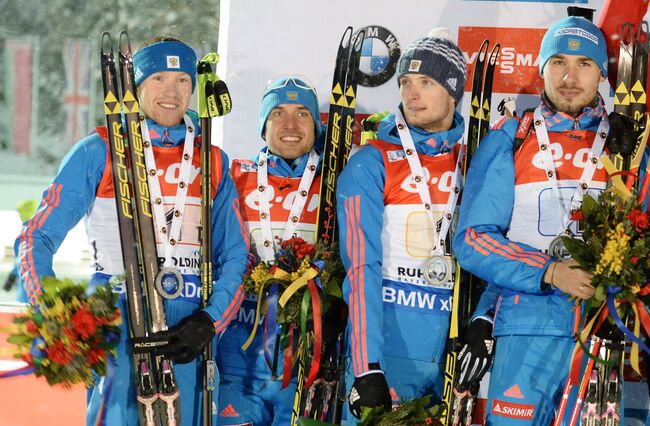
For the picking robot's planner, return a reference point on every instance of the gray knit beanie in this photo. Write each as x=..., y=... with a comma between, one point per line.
x=439, y=58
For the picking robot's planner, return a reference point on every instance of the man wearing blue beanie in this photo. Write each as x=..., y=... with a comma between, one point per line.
x=526, y=180
x=395, y=200
x=164, y=71
x=278, y=189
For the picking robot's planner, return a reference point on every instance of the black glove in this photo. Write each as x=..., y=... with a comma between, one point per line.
x=476, y=354
x=370, y=390
x=623, y=133
x=187, y=339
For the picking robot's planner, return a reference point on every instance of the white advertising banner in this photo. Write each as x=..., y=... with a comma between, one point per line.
x=259, y=40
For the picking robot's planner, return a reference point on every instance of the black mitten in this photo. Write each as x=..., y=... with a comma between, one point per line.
x=476, y=354
x=623, y=133
x=187, y=339
x=369, y=390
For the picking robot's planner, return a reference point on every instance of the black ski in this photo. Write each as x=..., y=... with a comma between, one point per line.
x=323, y=396
x=623, y=84
x=486, y=96
x=459, y=403
x=156, y=390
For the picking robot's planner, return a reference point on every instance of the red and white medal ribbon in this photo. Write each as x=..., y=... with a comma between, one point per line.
x=420, y=179
x=266, y=251
x=168, y=237
x=551, y=173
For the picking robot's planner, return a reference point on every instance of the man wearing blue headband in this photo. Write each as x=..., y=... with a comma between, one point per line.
x=165, y=76
x=278, y=189
x=527, y=178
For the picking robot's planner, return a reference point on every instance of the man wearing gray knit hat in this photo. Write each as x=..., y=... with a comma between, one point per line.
x=400, y=277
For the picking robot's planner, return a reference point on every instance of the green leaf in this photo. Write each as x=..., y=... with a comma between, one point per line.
x=579, y=251
x=19, y=339
x=600, y=293
x=589, y=206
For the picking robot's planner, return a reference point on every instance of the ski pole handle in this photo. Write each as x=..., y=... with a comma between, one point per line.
x=214, y=96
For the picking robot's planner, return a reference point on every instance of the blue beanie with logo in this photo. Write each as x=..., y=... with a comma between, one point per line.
x=289, y=90
x=164, y=56
x=574, y=35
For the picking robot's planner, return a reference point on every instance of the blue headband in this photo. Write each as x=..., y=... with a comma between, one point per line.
x=164, y=56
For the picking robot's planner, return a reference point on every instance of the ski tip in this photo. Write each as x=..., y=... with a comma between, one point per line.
x=124, y=43
x=346, y=39
x=359, y=36
x=106, y=45
x=494, y=54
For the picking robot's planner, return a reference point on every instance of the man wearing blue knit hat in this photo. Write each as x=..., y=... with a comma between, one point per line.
x=165, y=76
x=520, y=194
x=395, y=199
x=279, y=198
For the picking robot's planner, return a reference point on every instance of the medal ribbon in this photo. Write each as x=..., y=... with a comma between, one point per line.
x=267, y=252
x=418, y=176
x=551, y=173
x=168, y=237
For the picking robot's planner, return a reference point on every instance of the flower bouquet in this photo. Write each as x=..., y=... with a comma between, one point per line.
x=409, y=413
x=295, y=291
x=70, y=334
x=616, y=249
x=298, y=258
x=615, y=246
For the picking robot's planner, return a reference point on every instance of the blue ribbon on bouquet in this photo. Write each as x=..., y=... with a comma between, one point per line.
x=611, y=292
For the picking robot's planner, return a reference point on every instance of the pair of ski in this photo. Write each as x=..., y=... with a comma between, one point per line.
x=323, y=400
x=157, y=393
x=602, y=397
x=459, y=402
x=156, y=389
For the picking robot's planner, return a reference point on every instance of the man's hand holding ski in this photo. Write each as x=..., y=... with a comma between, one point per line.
x=369, y=390
x=188, y=339
x=475, y=356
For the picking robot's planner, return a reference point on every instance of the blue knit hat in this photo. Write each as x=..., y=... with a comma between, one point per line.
x=289, y=90
x=164, y=56
x=574, y=35
x=438, y=57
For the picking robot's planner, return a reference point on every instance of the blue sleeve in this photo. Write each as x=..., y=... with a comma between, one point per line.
x=230, y=250
x=480, y=244
x=360, y=210
x=67, y=199
x=487, y=303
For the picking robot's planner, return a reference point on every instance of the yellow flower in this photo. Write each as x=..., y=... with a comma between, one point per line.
x=260, y=275
x=614, y=252
x=56, y=311
x=49, y=338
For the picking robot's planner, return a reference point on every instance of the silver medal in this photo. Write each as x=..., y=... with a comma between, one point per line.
x=558, y=250
x=437, y=271
x=169, y=283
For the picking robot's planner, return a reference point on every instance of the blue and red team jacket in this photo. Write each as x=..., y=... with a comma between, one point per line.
x=509, y=216
x=283, y=181
x=83, y=188
x=385, y=240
